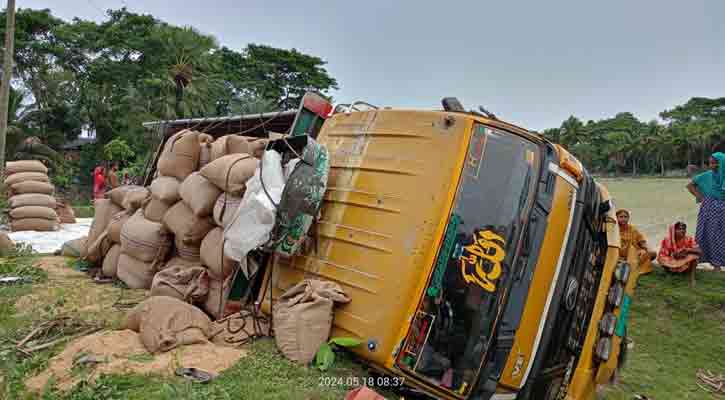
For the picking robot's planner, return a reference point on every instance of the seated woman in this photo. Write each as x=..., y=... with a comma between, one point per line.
x=679, y=252
x=631, y=237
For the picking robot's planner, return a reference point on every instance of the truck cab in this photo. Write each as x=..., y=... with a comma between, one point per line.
x=481, y=259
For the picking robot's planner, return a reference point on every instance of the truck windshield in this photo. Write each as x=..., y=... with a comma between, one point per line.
x=451, y=331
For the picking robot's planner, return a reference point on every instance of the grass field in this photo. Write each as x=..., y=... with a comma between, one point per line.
x=676, y=330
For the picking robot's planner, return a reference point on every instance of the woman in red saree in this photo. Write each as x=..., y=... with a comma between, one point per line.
x=99, y=183
x=679, y=252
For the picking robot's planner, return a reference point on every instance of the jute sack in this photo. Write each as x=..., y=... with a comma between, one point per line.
x=32, y=187
x=65, y=213
x=204, y=154
x=110, y=262
x=118, y=195
x=216, y=300
x=73, y=248
x=180, y=156
x=104, y=211
x=178, y=261
x=7, y=246
x=116, y=225
x=302, y=318
x=230, y=173
x=155, y=209
x=256, y=146
x=33, y=224
x=229, y=144
x=34, y=212
x=147, y=241
x=165, y=323
x=187, y=227
x=205, y=138
x=31, y=199
x=166, y=189
x=212, y=255
x=190, y=285
x=136, y=274
x=191, y=252
x=14, y=167
x=225, y=207
x=96, y=250
x=199, y=194
x=26, y=176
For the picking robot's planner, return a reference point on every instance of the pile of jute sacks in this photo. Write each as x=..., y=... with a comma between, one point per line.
x=31, y=202
x=169, y=237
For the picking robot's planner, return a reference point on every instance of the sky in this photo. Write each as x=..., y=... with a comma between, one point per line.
x=532, y=63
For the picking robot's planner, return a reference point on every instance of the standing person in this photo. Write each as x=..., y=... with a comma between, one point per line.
x=709, y=191
x=631, y=237
x=99, y=183
x=126, y=178
x=113, y=176
x=679, y=252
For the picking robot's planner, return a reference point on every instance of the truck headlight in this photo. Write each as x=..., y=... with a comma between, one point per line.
x=608, y=324
x=616, y=293
x=621, y=273
x=604, y=348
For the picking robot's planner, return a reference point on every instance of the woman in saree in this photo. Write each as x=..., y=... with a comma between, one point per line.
x=709, y=190
x=679, y=252
x=99, y=183
x=631, y=237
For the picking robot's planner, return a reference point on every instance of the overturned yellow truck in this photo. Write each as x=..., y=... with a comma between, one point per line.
x=481, y=259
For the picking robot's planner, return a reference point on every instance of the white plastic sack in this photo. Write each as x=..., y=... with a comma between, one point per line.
x=254, y=219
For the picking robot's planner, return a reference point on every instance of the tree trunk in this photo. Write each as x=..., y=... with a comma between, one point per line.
x=8, y=58
x=689, y=154
x=179, y=99
x=662, y=165
x=702, y=154
x=634, y=167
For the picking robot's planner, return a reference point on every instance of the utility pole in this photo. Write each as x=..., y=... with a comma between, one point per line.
x=8, y=59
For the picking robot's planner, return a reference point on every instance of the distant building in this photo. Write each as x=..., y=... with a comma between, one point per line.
x=72, y=150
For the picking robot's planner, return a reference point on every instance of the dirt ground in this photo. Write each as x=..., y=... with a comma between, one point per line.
x=122, y=352
x=68, y=292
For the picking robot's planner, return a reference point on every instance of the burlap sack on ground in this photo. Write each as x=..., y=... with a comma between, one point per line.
x=302, y=318
x=180, y=156
x=217, y=298
x=231, y=173
x=199, y=194
x=96, y=250
x=187, y=227
x=155, y=210
x=177, y=260
x=34, y=212
x=191, y=252
x=145, y=240
x=188, y=284
x=105, y=209
x=32, y=199
x=116, y=225
x=110, y=262
x=229, y=144
x=165, y=323
x=225, y=207
x=73, y=248
x=7, y=246
x=212, y=256
x=26, y=176
x=166, y=189
x=33, y=224
x=65, y=213
x=15, y=167
x=134, y=273
x=32, y=187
